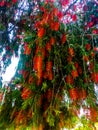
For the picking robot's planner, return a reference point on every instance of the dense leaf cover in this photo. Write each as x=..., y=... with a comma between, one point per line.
x=58, y=65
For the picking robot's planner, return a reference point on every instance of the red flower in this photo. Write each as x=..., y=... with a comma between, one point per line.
x=14, y=1
x=26, y=92
x=88, y=46
x=60, y=15
x=74, y=73
x=95, y=31
x=74, y=17
x=48, y=46
x=38, y=62
x=94, y=77
x=64, y=2
x=41, y=32
x=71, y=51
x=52, y=41
x=2, y=3
x=69, y=79
x=95, y=48
x=63, y=38
x=56, y=26
x=73, y=92
x=27, y=49
x=76, y=65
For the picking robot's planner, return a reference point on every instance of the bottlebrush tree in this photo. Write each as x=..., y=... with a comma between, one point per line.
x=57, y=69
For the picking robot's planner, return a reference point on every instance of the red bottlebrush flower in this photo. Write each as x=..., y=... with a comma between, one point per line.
x=73, y=92
x=94, y=77
x=26, y=92
x=91, y=114
x=1, y=96
x=40, y=51
x=56, y=26
x=63, y=38
x=95, y=31
x=88, y=46
x=39, y=74
x=82, y=93
x=74, y=17
x=74, y=73
x=69, y=79
x=71, y=51
x=2, y=3
x=41, y=32
x=48, y=46
x=64, y=2
x=14, y=1
x=45, y=75
x=92, y=54
x=69, y=59
x=60, y=15
x=55, y=11
x=48, y=65
x=85, y=58
x=76, y=65
x=31, y=79
x=50, y=75
x=38, y=81
x=38, y=62
x=52, y=41
x=27, y=49
x=90, y=24
x=96, y=49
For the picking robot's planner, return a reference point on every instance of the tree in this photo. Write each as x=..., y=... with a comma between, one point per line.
x=58, y=66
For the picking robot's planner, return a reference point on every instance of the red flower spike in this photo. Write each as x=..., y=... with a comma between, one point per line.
x=63, y=38
x=38, y=63
x=2, y=3
x=41, y=32
x=48, y=66
x=48, y=46
x=69, y=79
x=14, y=1
x=74, y=17
x=71, y=51
x=52, y=41
x=26, y=92
x=56, y=26
x=27, y=50
x=73, y=92
x=88, y=47
x=50, y=75
x=60, y=15
x=96, y=49
x=76, y=65
x=74, y=73
x=94, y=77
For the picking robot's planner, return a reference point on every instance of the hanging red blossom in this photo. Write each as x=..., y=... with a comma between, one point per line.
x=74, y=17
x=41, y=32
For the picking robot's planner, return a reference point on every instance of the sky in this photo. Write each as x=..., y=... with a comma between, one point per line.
x=10, y=71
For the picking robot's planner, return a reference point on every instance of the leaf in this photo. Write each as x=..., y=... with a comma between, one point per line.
x=50, y=119
x=44, y=86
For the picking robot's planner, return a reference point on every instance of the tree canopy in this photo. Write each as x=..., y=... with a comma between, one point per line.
x=58, y=66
